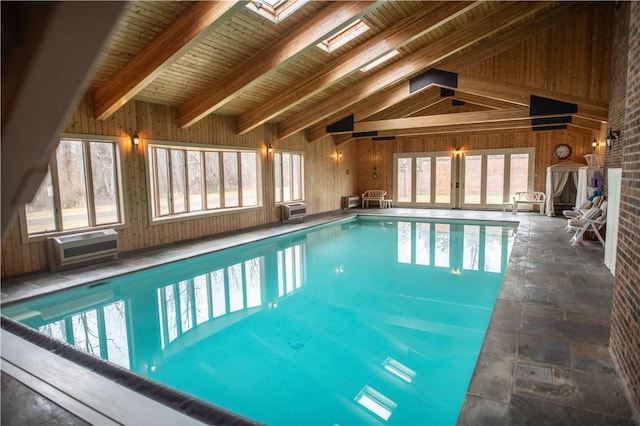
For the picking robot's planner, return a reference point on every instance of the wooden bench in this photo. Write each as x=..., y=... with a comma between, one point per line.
x=530, y=197
x=374, y=195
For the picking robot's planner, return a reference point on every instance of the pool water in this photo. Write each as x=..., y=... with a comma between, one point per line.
x=364, y=321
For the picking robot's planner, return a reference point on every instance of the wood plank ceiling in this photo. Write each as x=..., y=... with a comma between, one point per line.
x=224, y=58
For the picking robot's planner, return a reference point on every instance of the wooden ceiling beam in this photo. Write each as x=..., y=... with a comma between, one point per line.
x=521, y=95
x=463, y=118
x=504, y=15
x=424, y=99
x=180, y=36
x=485, y=48
x=516, y=124
x=305, y=36
x=483, y=101
x=429, y=18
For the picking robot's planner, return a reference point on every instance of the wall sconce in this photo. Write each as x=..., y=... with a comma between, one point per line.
x=135, y=139
x=269, y=150
x=338, y=155
x=611, y=137
x=375, y=172
x=457, y=152
x=595, y=144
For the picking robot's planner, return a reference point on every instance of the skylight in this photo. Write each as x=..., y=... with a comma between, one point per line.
x=343, y=37
x=376, y=402
x=275, y=10
x=380, y=60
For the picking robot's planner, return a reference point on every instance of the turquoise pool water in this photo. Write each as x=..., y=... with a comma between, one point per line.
x=365, y=321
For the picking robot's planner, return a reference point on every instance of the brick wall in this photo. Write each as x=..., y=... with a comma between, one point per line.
x=625, y=320
x=618, y=88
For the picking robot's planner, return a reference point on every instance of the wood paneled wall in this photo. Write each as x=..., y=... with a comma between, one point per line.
x=326, y=178
x=572, y=57
x=379, y=154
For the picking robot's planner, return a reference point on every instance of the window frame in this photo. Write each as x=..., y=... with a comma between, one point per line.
x=52, y=170
x=291, y=169
x=152, y=180
x=278, y=12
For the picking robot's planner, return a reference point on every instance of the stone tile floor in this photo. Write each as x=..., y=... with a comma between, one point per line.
x=545, y=358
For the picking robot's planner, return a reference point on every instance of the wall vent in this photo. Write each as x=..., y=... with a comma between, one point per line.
x=350, y=201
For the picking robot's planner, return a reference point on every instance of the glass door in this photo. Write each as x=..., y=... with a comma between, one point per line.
x=424, y=179
x=489, y=178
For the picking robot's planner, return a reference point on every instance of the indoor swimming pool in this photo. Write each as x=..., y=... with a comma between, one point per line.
x=368, y=320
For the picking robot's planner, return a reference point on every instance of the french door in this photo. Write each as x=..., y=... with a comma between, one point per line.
x=424, y=179
x=479, y=179
x=488, y=178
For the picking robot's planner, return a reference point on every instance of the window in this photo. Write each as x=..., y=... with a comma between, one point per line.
x=275, y=10
x=351, y=32
x=82, y=189
x=289, y=177
x=198, y=180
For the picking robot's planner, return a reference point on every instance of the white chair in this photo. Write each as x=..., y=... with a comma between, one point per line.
x=594, y=219
x=376, y=195
x=528, y=197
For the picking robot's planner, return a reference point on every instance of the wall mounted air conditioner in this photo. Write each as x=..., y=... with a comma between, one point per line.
x=350, y=201
x=79, y=249
x=293, y=211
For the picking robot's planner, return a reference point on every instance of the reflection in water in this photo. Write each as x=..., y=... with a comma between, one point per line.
x=355, y=322
x=456, y=246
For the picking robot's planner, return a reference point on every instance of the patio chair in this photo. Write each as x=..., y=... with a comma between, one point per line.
x=374, y=195
x=594, y=219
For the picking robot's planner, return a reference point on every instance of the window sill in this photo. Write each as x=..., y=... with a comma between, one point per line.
x=43, y=237
x=201, y=214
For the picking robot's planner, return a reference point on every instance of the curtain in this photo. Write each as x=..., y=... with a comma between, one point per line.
x=555, y=185
x=581, y=194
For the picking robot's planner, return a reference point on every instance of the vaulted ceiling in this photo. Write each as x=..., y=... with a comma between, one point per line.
x=224, y=58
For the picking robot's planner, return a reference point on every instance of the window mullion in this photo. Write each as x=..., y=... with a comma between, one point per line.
x=156, y=189
x=55, y=185
x=88, y=177
x=239, y=173
x=172, y=209
x=506, y=190
x=203, y=182
x=185, y=176
x=291, y=177
x=221, y=179
x=483, y=179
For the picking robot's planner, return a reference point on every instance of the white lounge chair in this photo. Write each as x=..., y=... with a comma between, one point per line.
x=594, y=219
x=583, y=208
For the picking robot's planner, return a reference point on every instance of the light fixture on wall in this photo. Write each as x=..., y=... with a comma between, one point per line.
x=595, y=143
x=338, y=155
x=611, y=137
x=135, y=139
x=269, y=150
x=375, y=172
